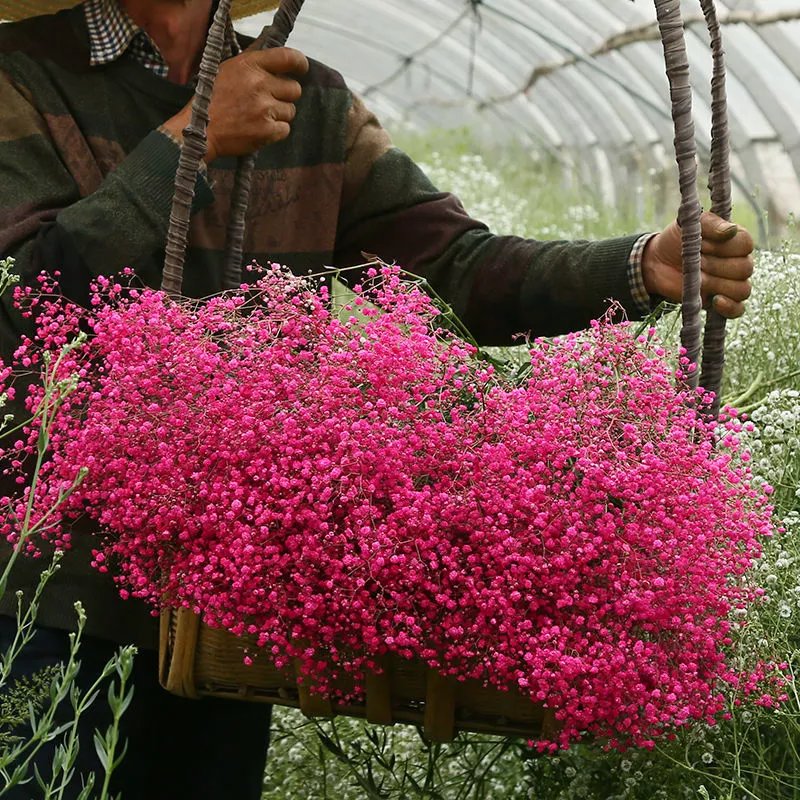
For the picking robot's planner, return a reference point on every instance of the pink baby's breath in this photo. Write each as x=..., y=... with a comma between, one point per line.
x=347, y=486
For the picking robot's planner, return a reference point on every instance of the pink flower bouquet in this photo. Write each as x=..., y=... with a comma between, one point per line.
x=347, y=484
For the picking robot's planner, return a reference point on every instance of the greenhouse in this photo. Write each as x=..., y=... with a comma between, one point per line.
x=401, y=400
x=580, y=80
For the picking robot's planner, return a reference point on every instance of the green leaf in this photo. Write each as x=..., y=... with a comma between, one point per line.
x=85, y=793
x=329, y=744
x=417, y=788
x=101, y=747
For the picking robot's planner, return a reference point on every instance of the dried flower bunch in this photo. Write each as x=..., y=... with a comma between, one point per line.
x=346, y=484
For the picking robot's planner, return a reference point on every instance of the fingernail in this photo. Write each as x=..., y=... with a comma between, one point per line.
x=727, y=228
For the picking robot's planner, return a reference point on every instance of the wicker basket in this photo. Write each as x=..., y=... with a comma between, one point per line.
x=198, y=661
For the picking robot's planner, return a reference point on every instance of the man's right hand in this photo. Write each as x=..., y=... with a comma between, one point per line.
x=252, y=104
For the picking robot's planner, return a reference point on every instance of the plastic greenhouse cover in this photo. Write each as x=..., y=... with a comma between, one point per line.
x=450, y=63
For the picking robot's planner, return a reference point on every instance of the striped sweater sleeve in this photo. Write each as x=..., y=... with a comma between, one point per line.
x=58, y=212
x=499, y=286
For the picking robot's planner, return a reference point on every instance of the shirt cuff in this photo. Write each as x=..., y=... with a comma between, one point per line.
x=635, y=278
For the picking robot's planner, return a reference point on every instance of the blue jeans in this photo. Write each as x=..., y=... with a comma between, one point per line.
x=177, y=749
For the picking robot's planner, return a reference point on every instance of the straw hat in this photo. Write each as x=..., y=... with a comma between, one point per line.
x=21, y=9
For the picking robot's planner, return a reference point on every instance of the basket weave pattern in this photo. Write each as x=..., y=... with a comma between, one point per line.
x=199, y=661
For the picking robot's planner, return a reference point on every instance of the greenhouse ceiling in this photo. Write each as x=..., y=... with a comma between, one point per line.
x=582, y=80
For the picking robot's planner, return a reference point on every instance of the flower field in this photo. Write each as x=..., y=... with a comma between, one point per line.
x=755, y=754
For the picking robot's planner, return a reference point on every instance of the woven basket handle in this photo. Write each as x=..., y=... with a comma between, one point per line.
x=670, y=21
x=195, y=145
x=192, y=151
x=274, y=35
x=719, y=183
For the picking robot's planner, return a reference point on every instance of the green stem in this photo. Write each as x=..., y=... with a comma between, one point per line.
x=748, y=393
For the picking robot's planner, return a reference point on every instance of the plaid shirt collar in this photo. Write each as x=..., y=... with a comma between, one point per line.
x=112, y=33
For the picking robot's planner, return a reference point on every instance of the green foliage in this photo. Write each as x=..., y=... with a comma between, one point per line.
x=40, y=726
x=345, y=759
x=22, y=694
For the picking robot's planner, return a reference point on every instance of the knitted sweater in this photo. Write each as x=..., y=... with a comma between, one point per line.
x=86, y=189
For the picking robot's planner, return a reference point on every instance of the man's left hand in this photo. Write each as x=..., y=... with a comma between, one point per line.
x=727, y=265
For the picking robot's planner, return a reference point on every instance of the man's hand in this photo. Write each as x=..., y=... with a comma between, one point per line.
x=252, y=104
x=727, y=264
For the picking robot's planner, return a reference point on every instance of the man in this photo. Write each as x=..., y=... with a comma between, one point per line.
x=93, y=102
